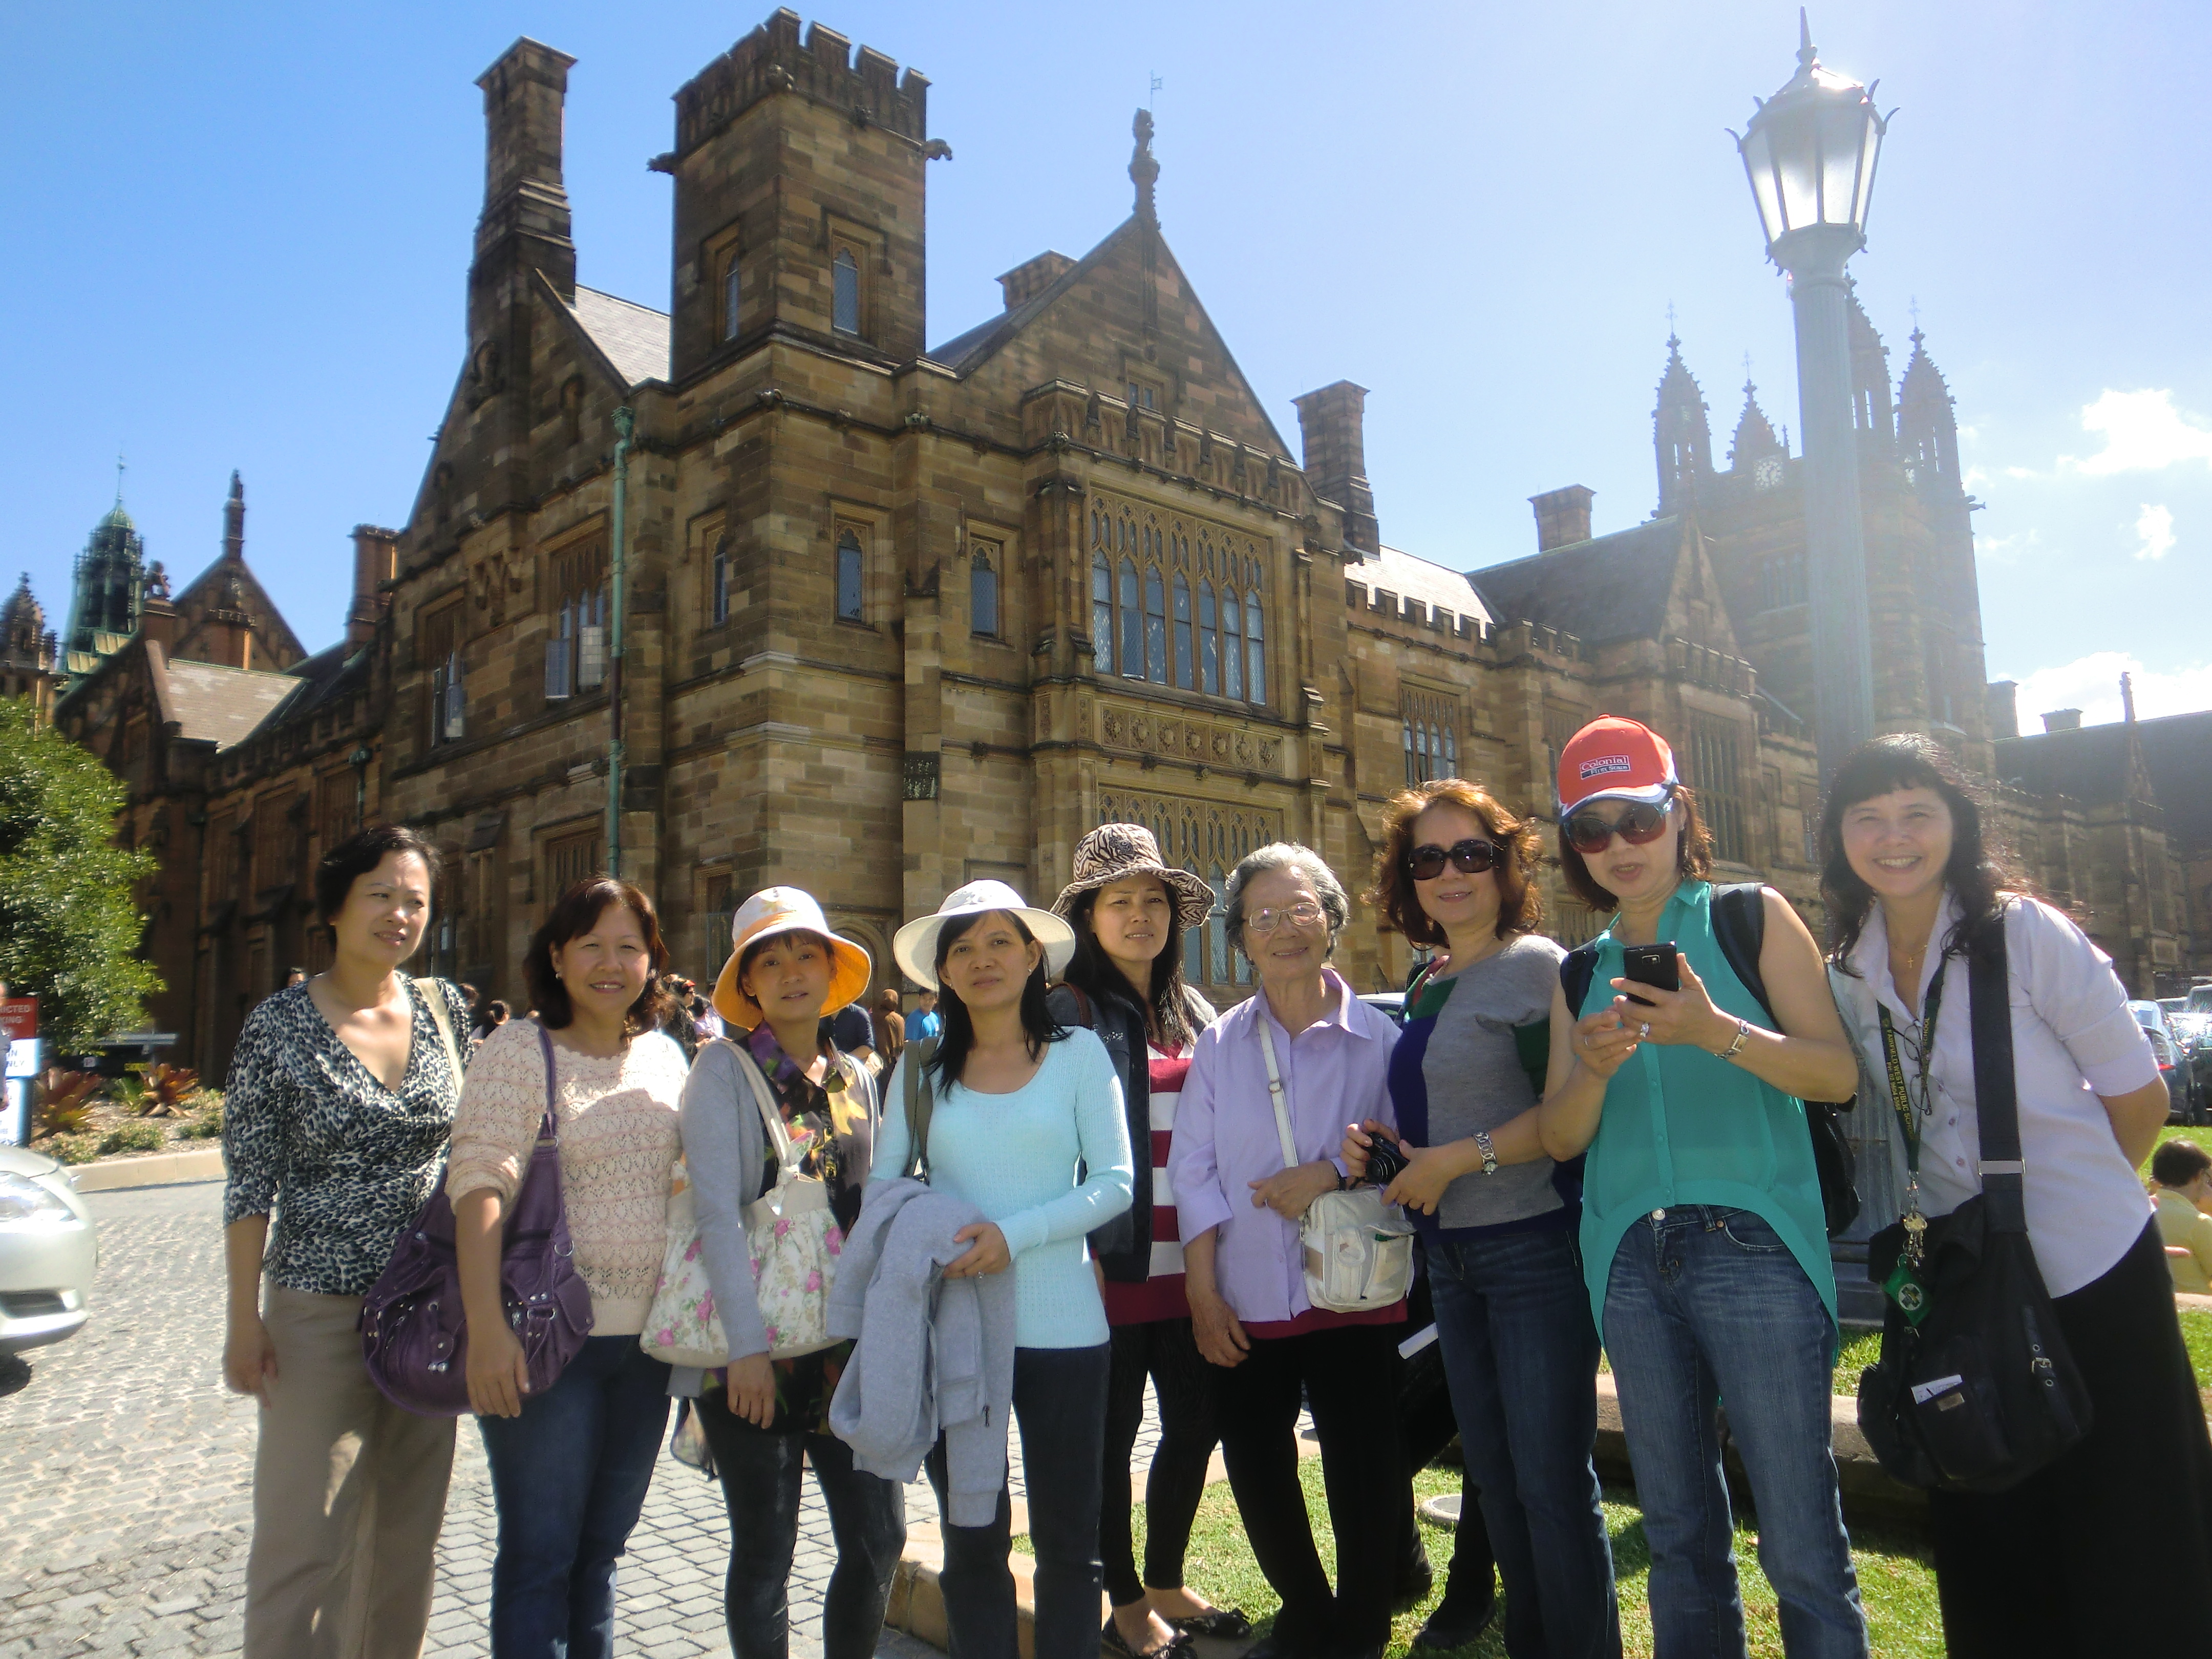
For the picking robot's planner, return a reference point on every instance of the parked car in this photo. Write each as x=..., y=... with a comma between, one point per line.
x=48, y=1252
x=1392, y=1003
x=2175, y=1064
x=2195, y=1033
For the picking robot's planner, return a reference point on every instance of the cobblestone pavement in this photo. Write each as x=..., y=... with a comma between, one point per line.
x=125, y=1473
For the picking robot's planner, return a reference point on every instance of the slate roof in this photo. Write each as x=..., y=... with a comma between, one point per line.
x=2091, y=765
x=224, y=706
x=1610, y=587
x=1396, y=571
x=635, y=337
x=962, y=353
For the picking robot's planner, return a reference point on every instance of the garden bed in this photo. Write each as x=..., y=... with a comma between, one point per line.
x=79, y=1119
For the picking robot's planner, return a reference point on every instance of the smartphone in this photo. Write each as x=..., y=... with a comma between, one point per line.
x=1384, y=1161
x=1657, y=965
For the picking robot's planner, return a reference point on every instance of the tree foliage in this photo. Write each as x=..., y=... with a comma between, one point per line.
x=69, y=927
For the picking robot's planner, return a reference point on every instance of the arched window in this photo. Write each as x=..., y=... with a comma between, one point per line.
x=982, y=594
x=1209, y=643
x=1101, y=611
x=732, y=287
x=1255, y=650
x=1217, y=937
x=1182, y=631
x=851, y=598
x=1155, y=625
x=720, y=596
x=1232, y=660
x=845, y=293
x=1133, y=623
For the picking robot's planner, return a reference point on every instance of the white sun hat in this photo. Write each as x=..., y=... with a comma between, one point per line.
x=914, y=945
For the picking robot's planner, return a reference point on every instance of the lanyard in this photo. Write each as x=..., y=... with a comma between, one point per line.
x=1901, y=1100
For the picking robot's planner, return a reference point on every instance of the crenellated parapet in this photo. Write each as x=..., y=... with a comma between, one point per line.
x=1409, y=617
x=823, y=68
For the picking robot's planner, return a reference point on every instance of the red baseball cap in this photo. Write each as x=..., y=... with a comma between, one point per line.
x=1615, y=758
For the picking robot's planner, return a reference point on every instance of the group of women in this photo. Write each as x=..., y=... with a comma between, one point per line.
x=1630, y=1171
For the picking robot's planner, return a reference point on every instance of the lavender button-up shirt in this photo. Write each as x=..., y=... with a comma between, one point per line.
x=1335, y=1072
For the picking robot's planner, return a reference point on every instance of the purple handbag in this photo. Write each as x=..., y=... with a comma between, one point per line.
x=413, y=1338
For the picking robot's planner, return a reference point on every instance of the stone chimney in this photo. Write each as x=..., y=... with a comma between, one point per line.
x=1026, y=281
x=375, y=561
x=1563, y=516
x=1332, y=424
x=2063, y=719
x=157, y=622
x=2004, y=708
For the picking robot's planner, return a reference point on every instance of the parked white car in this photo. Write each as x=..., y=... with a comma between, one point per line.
x=48, y=1252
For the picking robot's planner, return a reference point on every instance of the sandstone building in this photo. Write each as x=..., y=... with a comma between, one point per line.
x=897, y=616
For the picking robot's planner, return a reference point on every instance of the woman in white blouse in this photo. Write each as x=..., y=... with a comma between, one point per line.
x=2082, y=1556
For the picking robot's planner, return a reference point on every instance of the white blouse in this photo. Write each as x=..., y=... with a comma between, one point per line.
x=2073, y=1040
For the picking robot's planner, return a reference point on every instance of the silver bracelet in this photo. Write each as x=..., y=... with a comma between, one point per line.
x=1742, y=1036
x=1489, y=1152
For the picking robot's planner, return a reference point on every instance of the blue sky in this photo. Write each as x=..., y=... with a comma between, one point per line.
x=238, y=237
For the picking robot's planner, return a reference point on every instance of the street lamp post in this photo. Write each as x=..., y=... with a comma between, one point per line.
x=1809, y=153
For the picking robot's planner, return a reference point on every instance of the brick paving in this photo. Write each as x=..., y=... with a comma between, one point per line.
x=125, y=1478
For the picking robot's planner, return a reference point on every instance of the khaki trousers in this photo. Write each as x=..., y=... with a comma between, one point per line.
x=348, y=1494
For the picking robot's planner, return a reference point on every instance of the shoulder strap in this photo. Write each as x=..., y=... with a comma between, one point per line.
x=1275, y=1093
x=920, y=1106
x=434, y=999
x=1740, y=929
x=549, y=1128
x=1082, y=1006
x=1996, y=1106
x=1575, y=969
x=779, y=1138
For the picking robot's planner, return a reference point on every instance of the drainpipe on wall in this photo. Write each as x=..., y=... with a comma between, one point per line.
x=624, y=418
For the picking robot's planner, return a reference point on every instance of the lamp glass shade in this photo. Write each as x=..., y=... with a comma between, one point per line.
x=1809, y=153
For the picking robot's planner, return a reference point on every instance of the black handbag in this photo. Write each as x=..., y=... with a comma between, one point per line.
x=1976, y=1390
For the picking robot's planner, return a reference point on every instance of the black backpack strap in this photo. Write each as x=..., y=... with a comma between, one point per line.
x=1740, y=929
x=1996, y=1105
x=1575, y=970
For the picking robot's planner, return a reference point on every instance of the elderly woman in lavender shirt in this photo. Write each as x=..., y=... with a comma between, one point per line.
x=1238, y=1209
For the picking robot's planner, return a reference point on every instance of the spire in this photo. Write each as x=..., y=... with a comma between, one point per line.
x=108, y=585
x=1681, y=433
x=233, y=521
x=1871, y=409
x=1755, y=433
x=1927, y=430
x=1145, y=167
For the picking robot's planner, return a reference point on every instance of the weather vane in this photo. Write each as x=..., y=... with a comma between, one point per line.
x=1157, y=84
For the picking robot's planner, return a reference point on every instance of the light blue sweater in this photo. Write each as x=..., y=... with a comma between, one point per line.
x=1014, y=1157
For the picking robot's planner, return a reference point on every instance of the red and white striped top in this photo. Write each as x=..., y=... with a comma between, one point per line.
x=1160, y=1295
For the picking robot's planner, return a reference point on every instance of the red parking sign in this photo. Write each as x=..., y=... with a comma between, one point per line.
x=19, y=1019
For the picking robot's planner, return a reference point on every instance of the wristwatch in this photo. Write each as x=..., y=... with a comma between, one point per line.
x=1489, y=1152
x=1742, y=1036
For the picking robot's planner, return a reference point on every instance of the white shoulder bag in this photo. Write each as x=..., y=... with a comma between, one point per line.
x=1358, y=1250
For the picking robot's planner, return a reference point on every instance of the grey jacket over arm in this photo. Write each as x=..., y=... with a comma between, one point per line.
x=725, y=1152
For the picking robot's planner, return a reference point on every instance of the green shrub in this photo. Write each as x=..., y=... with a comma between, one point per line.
x=129, y=1092
x=208, y=1126
x=132, y=1138
x=71, y=1149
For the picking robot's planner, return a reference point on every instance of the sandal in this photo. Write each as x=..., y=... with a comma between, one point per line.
x=1221, y=1624
x=1113, y=1641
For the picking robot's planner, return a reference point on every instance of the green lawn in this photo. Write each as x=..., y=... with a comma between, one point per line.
x=1895, y=1576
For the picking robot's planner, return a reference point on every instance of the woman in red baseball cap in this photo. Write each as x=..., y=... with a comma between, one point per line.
x=1703, y=1234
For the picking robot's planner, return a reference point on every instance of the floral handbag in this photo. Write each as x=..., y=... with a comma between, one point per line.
x=794, y=1239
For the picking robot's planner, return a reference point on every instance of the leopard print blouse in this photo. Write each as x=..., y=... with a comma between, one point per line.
x=344, y=1162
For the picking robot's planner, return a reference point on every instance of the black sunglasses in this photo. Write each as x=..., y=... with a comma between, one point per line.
x=1469, y=857
x=1591, y=832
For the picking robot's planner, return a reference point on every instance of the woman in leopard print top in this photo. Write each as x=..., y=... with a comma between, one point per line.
x=341, y=1095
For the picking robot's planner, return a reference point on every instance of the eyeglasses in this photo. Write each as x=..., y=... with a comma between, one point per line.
x=1470, y=856
x=1304, y=914
x=1591, y=832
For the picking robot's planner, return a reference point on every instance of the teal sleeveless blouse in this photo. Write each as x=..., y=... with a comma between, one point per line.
x=1681, y=1125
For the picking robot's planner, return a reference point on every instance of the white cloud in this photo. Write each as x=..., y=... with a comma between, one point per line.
x=2153, y=532
x=2092, y=684
x=2143, y=431
x=2006, y=549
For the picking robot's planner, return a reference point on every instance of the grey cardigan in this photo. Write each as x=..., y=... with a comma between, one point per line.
x=725, y=1148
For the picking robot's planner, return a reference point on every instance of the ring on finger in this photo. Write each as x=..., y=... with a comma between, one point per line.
x=1644, y=1030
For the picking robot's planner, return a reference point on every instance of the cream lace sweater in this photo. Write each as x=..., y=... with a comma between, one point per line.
x=619, y=1144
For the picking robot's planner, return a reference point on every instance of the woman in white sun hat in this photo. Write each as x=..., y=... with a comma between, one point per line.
x=1023, y=1107
x=765, y=1417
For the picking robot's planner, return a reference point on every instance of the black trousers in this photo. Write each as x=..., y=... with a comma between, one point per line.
x=1350, y=1381
x=2109, y=1550
x=1165, y=1350
x=760, y=1476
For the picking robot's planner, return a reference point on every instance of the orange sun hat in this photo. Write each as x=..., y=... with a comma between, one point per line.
x=775, y=910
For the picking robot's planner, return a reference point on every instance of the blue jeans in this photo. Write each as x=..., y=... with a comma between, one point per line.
x=1060, y=1402
x=1704, y=1304
x=1521, y=1357
x=568, y=1476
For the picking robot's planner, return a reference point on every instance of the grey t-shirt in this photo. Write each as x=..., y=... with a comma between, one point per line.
x=1473, y=1076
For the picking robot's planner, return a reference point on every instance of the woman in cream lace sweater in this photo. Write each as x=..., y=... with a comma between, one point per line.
x=570, y=1466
